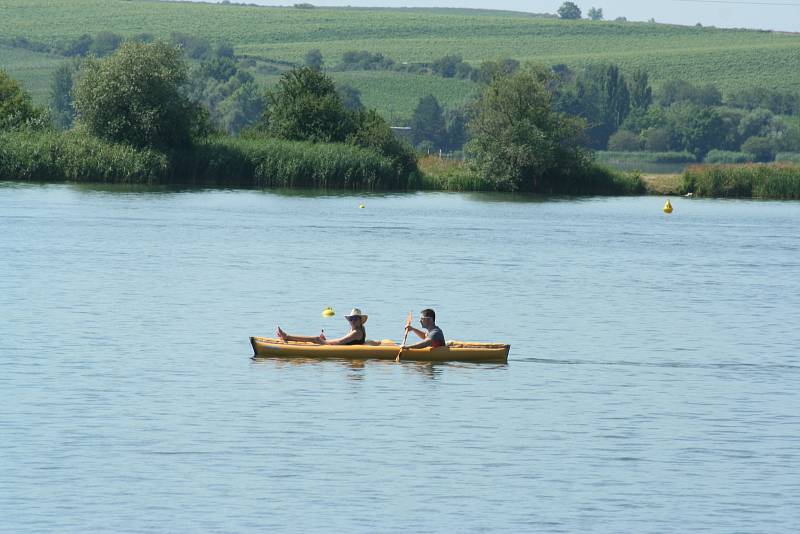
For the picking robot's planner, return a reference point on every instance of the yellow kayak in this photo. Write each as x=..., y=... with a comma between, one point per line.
x=455, y=351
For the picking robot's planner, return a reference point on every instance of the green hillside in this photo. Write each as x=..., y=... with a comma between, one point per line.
x=728, y=58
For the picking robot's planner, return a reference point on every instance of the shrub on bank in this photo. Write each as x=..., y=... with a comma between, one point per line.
x=455, y=175
x=774, y=181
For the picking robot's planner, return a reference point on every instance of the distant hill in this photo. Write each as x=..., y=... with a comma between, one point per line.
x=731, y=59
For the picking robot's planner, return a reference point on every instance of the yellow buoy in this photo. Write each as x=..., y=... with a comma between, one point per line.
x=328, y=312
x=668, y=207
x=361, y=206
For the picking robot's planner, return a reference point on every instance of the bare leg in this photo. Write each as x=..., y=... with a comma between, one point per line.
x=286, y=337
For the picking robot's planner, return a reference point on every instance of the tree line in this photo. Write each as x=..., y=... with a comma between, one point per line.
x=139, y=97
x=623, y=112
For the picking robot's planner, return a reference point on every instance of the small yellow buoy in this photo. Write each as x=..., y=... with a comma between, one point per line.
x=328, y=312
x=668, y=207
x=361, y=206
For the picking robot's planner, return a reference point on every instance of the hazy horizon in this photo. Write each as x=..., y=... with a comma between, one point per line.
x=779, y=15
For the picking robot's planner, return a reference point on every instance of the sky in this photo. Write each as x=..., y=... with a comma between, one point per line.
x=781, y=15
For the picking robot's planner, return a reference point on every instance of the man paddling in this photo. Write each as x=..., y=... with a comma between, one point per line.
x=433, y=338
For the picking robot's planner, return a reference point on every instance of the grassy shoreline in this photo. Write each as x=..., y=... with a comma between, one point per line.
x=235, y=162
x=75, y=156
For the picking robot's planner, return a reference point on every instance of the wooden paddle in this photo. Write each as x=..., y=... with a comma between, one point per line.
x=408, y=323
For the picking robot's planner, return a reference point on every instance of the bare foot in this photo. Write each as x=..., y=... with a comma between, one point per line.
x=281, y=334
x=322, y=335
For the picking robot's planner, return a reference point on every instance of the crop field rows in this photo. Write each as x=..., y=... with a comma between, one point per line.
x=728, y=58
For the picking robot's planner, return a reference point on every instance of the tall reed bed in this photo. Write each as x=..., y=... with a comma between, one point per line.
x=442, y=174
x=773, y=181
x=77, y=157
x=263, y=162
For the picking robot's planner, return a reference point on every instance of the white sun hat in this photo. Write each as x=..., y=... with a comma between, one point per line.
x=355, y=312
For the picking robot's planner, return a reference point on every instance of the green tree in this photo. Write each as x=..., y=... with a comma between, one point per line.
x=625, y=141
x=673, y=91
x=519, y=142
x=193, y=47
x=489, y=70
x=16, y=108
x=456, y=129
x=755, y=124
x=80, y=46
x=225, y=49
x=105, y=43
x=370, y=130
x=450, y=66
x=306, y=107
x=134, y=96
x=61, y=101
x=241, y=108
x=761, y=148
x=427, y=122
x=640, y=91
x=658, y=140
x=569, y=10
x=314, y=59
x=351, y=97
x=599, y=95
x=596, y=13
x=696, y=129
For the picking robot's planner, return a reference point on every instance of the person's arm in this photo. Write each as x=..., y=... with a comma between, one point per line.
x=342, y=340
x=420, y=333
x=421, y=345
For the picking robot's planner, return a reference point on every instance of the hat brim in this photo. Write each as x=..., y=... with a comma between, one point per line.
x=363, y=317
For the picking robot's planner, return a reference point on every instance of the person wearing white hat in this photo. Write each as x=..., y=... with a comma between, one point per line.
x=356, y=336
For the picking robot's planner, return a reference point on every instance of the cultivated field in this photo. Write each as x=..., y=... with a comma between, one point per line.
x=731, y=59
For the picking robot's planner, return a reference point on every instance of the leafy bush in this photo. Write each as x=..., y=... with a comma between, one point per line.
x=625, y=141
x=305, y=107
x=16, y=108
x=194, y=47
x=761, y=148
x=134, y=96
x=519, y=142
x=364, y=60
x=371, y=131
x=452, y=66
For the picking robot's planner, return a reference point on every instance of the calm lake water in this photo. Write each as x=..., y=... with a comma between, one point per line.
x=653, y=383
